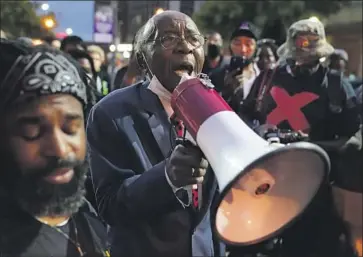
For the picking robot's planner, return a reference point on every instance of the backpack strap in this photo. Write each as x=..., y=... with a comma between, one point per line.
x=335, y=92
x=264, y=87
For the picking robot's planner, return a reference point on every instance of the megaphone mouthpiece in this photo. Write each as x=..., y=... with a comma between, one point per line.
x=257, y=182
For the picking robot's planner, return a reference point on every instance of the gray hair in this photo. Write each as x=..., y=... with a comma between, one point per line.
x=143, y=35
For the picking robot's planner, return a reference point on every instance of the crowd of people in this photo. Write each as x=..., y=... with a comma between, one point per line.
x=92, y=167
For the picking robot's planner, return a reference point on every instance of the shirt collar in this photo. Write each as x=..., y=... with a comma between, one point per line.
x=163, y=94
x=157, y=88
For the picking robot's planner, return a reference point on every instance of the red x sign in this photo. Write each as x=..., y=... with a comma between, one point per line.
x=289, y=108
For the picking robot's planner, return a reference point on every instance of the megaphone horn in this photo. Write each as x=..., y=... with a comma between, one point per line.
x=264, y=187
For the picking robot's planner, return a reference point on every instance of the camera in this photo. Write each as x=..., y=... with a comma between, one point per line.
x=238, y=62
x=285, y=136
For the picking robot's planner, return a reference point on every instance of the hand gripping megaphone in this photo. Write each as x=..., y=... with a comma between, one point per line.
x=264, y=187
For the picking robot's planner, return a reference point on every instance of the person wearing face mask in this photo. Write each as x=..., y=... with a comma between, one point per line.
x=302, y=95
x=215, y=58
x=304, y=74
x=141, y=176
x=266, y=56
x=234, y=81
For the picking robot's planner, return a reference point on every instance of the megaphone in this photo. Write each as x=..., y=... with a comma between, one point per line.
x=264, y=187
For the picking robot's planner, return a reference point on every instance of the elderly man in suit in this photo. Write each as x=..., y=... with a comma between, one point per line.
x=139, y=174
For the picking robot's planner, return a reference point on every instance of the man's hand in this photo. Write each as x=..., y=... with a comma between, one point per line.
x=231, y=82
x=186, y=166
x=303, y=134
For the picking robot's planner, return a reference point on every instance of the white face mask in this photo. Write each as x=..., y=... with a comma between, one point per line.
x=156, y=87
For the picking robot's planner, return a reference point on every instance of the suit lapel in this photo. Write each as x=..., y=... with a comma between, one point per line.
x=158, y=120
x=165, y=137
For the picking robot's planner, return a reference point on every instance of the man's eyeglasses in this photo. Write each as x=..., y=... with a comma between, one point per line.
x=171, y=41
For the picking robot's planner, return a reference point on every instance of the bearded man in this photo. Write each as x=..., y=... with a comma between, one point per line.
x=42, y=156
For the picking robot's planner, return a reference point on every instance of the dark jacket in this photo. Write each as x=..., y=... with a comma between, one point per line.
x=333, y=114
x=223, y=62
x=21, y=235
x=130, y=137
x=117, y=83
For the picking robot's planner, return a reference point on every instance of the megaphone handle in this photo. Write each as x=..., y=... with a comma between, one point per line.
x=189, y=190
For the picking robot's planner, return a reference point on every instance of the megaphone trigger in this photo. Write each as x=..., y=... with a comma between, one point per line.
x=179, y=141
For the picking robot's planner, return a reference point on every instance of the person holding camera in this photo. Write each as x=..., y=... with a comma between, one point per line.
x=237, y=77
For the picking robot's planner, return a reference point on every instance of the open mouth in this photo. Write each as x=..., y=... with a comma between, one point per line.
x=184, y=68
x=60, y=176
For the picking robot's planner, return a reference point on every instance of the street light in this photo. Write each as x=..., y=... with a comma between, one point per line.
x=49, y=23
x=126, y=54
x=112, y=48
x=37, y=42
x=69, y=31
x=45, y=7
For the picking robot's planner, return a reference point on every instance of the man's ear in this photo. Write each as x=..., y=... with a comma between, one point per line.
x=141, y=60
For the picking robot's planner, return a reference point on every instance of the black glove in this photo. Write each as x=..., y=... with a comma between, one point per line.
x=186, y=165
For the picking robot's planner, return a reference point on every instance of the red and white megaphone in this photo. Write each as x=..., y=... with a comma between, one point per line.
x=264, y=187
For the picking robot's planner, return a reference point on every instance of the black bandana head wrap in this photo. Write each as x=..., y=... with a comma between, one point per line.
x=42, y=72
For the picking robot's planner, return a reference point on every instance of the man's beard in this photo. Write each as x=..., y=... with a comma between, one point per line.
x=40, y=198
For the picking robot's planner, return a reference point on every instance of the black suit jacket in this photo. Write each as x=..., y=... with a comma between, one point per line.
x=130, y=137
